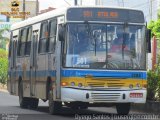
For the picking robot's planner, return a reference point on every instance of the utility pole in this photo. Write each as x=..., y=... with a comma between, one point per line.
x=98, y=2
x=24, y=7
x=81, y=3
x=118, y=3
x=37, y=7
x=75, y=2
x=151, y=9
x=123, y=2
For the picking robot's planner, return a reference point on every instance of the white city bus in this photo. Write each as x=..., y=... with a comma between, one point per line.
x=79, y=56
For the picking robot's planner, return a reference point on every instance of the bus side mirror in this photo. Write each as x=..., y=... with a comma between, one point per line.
x=61, y=33
x=148, y=40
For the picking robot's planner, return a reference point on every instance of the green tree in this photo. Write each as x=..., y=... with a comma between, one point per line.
x=158, y=14
x=3, y=40
x=3, y=66
x=153, y=89
x=155, y=28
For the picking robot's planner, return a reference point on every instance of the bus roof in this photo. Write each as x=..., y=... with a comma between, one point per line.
x=56, y=12
x=38, y=18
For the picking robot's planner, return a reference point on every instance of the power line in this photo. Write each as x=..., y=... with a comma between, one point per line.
x=120, y=2
x=67, y=2
x=139, y=5
x=152, y=11
x=123, y=2
x=142, y=4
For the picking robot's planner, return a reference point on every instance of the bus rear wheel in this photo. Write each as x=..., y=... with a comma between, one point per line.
x=123, y=108
x=54, y=106
x=33, y=102
x=26, y=102
x=23, y=101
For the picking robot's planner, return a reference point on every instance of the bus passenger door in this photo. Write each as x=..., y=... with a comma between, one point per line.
x=58, y=57
x=33, y=63
x=13, y=65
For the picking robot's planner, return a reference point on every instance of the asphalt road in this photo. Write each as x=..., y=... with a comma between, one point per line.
x=10, y=110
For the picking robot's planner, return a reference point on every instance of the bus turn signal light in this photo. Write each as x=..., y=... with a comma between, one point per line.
x=64, y=84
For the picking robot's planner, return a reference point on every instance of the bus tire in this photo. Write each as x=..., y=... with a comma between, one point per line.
x=54, y=106
x=23, y=101
x=123, y=108
x=33, y=103
x=84, y=107
x=75, y=107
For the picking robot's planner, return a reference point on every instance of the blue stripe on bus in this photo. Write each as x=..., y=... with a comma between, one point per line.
x=94, y=73
x=111, y=74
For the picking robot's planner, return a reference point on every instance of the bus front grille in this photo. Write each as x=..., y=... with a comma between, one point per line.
x=105, y=97
x=106, y=84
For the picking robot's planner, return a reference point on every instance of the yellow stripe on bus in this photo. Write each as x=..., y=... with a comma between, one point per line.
x=104, y=82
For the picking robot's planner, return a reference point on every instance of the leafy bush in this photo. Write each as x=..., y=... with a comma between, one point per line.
x=153, y=89
x=3, y=66
x=3, y=70
x=152, y=85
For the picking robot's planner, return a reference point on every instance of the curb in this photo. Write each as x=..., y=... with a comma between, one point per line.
x=4, y=90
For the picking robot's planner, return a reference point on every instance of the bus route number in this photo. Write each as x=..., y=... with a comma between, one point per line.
x=81, y=61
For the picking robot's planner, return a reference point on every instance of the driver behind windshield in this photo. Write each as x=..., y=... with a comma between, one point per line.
x=120, y=43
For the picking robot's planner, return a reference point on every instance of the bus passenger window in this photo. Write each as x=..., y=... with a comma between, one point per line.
x=22, y=41
x=52, y=36
x=43, y=38
x=28, y=42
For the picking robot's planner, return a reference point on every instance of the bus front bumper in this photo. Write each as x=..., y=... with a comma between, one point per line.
x=103, y=96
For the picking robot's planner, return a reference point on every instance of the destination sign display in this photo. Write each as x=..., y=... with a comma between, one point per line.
x=105, y=14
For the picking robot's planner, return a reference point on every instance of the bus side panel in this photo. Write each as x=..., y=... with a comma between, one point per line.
x=41, y=71
x=41, y=76
x=10, y=63
x=26, y=77
x=13, y=65
x=21, y=70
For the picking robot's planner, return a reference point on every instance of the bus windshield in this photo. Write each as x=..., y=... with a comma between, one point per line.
x=105, y=46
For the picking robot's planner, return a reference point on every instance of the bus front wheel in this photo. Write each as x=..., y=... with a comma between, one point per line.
x=54, y=106
x=123, y=108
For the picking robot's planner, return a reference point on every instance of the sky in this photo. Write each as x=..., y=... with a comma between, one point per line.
x=137, y=4
x=54, y=3
x=62, y=3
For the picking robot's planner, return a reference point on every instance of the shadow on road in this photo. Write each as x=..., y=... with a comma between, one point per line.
x=65, y=111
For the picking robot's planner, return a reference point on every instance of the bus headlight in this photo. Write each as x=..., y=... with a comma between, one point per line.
x=131, y=86
x=80, y=85
x=138, y=85
x=72, y=84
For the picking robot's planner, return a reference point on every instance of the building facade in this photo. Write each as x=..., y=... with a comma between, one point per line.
x=14, y=9
x=11, y=11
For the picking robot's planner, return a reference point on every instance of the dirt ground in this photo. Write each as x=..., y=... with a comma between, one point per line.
x=3, y=87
